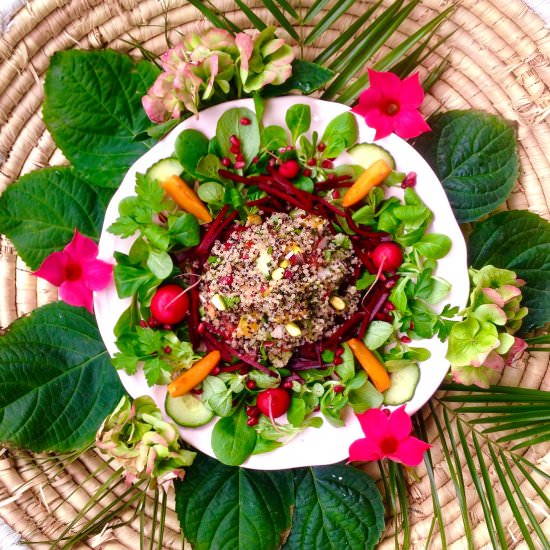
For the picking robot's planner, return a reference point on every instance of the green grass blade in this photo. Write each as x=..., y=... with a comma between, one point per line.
x=154, y=519
x=353, y=54
x=254, y=19
x=397, y=53
x=531, y=481
x=387, y=62
x=212, y=16
x=511, y=500
x=403, y=494
x=483, y=497
x=454, y=470
x=315, y=8
x=339, y=9
x=531, y=442
x=281, y=19
x=288, y=8
x=342, y=40
x=523, y=501
x=162, y=520
x=384, y=478
x=420, y=427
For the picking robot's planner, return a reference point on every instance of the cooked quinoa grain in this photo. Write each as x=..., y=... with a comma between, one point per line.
x=277, y=284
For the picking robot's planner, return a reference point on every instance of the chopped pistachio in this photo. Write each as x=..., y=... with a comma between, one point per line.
x=284, y=264
x=218, y=302
x=337, y=303
x=277, y=274
x=293, y=329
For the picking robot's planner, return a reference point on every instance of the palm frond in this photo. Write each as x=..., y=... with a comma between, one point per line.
x=214, y=15
x=254, y=19
x=287, y=25
x=288, y=8
x=315, y=8
x=328, y=20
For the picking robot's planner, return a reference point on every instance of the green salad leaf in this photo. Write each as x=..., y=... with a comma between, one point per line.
x=341, y=132
x=40, y=212
x=298, y=120
x=191, y=146
x=518, y=241
x=475, y=156
x=306, y=78
x=233, y=440
x=229, y=124
x=56, y=378
x=226, y=507
x=336, y=506
x=93, y=110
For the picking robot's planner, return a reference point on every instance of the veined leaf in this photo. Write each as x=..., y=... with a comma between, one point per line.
x=40, y=212
x=226, y=507
x=335, y=504
x=93, y=110
x=57, y=381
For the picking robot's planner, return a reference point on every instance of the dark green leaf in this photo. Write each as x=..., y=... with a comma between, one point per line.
x=185, y=230
x=274, y=137
x=520, y=241
x=93, y=110
x=248, y=135
x=336, y=507
x=129, y=277
x=475, y=156
x=235, y=508
x=40, y=212
x=340, y=133
x=298, y=120
x=306, y=78
x=191, y=146
x=232, y=439
x=56, y=378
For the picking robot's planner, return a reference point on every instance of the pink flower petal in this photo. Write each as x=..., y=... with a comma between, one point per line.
x=53, y=268
x=364, y=450
x=516, y=351
x=412, y=94
x=409, y=124
x=382, y=123
x=410, y=451
x=389, y=83
x=81, y=248
x=399, y=424
x=76, y=293
x=374, y=424
x=97, y=274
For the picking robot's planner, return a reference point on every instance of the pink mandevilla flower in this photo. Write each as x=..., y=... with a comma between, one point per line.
x=76, y=271
x=387, y=435
x=391, y=105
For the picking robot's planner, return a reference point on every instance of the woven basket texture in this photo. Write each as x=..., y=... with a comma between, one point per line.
x=499, y=55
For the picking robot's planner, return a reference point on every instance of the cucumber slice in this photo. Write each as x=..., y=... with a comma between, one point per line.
x=187, y=410
x=403, y=385
x=365, y=154
x=163, y=169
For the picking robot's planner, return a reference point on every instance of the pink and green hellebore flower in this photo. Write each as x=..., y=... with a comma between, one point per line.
x=387, y=435
x=77, y=271
x=391, y=105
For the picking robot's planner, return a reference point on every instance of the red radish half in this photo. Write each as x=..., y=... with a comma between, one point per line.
x=273, y=402
x=169, y=304
x=387, y=256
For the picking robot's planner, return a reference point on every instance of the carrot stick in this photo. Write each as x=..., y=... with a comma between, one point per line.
x=374, y=175
x=186, y=198
x=185, y=382
x=374, y=369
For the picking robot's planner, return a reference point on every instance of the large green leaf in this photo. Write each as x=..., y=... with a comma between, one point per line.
x=56, y=381
x=93, y=109
x=475, y=156
x=40, y=212
x=336, y=507
x=520, y=241
x=224, y=507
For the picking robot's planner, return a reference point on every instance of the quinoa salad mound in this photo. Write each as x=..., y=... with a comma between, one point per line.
x=278, y=283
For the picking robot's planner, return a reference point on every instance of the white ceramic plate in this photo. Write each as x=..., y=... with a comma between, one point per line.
x=313, y=446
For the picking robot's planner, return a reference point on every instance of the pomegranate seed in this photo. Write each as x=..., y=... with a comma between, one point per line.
x=251, y=385
x=226, y=161
x=338, y=389
x=245, y=121
x=152, y=322
x=405, y=340
x=255, y=160
x=289, y=169
x=331, y=176
x=243, y=370
x=196, y=391
x=287, y=274
x=239, y=164
x=338, y=361
x=327, y=164
x=234, y=140
x=339, y=351
x=226, y=280
x=336, y=194
x=288, y=148
x=411, y=325
x=306, y=172
x=271, y=162
x=252, y=420
x=381, y=316
x=235, y=149
x=215, y=371
x=251, y=410
x=167, y=349
x=201, y=328
x=143, y=323
x=311, y=162
x=390, y=284
x=239, y=157
x=166, y=326
x=287, y=384
x=389, y=306
x=321, y=147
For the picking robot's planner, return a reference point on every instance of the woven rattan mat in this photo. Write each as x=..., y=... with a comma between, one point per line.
x=499, y=61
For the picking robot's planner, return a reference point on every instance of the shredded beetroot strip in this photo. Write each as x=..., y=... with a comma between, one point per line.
x=193, y=320
x=343, y=330
x=217, y=227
